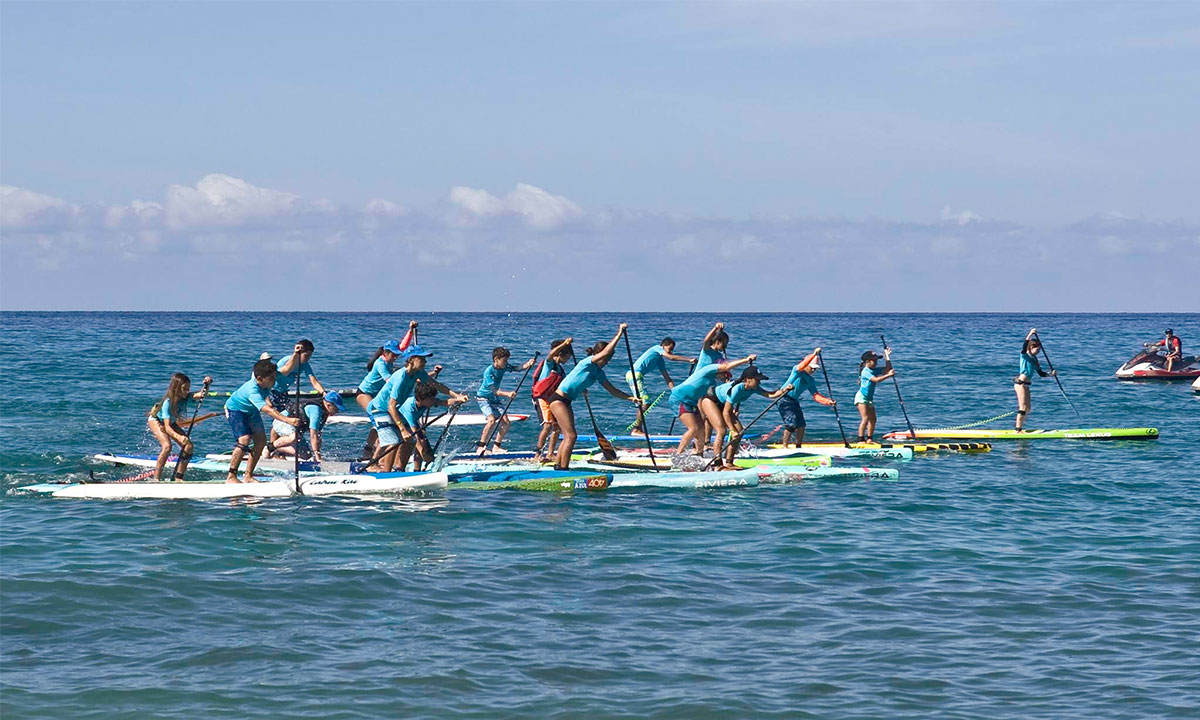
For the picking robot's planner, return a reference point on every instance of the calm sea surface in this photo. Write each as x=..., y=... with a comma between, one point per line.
x=1042, y=580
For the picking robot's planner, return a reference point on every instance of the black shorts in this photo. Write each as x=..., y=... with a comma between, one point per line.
x=790, y=413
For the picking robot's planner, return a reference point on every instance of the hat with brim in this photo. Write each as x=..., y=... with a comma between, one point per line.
x=417, y=351
x=334, y=398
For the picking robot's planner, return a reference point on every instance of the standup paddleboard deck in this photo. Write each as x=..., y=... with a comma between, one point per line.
x=318, y=485
x=459, y=419
x=1073, y=434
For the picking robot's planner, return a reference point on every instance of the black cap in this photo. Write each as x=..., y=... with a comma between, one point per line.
x=751, y=373
x=1168, y=331
x=870, y=355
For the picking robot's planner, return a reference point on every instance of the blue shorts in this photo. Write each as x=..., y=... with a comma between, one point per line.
x=790, y=413
x=490, y=407
x=388, y=433
x=244, y=423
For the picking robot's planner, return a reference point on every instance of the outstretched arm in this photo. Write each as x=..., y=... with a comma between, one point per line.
x=678, y=358
x=606, y=354
x=713, y=333
x=616, y=392
x=729, y=366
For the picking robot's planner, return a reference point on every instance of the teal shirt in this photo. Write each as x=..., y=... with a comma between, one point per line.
x=248, y=398
x=168, y=414
x=377, y=378
x=316, y=415
x=736, y=393
x=283, y=383
x=584, y=375
x=411, y=413
x=866, y=388
x=801, y=383
x=690, y=391
x=548, y=367
x=651, y=360
x=398, y=387
x=492, y=377
x=707, y=357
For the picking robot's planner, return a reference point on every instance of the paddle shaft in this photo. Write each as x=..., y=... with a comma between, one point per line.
x=746, y=428
x=829, y=388
x=192, y=423
x=1055, y=373
x=504, y=412
x=299, y=429
x=911, y=431
x=637, y=392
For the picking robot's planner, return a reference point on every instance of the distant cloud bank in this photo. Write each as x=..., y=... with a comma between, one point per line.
x=534, y=249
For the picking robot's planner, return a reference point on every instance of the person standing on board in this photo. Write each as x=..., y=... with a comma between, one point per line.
x=1023, y=383
x=801, y=381
x=283, y=435
x=698, y=405
x=550, y=372
x=424, y=397
x=586, y=373
x=864, y=399
x=731, y=395
x=167, y=419
x=1173, y=347
x=395, y=433
x=489, y=395
x=379, y=369
x=290, y=369
x=712, y=350
x=653, y=359
x=243, y=411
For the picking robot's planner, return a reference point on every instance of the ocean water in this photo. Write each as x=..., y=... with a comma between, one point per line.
x=1057, y=579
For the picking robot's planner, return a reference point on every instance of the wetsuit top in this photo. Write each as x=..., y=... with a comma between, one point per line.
x=1030, y=366
x=866, y=388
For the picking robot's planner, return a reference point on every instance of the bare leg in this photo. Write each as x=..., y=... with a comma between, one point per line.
x=691, y=424
x=238, y=453
x=863, y=409
x=1024, y=400
x=505, y=424
x=487, y=431
x=871, y=423
x=164, y=445
x=713, y=414
x=260, y=442
x=564, y=416
x=799, y=436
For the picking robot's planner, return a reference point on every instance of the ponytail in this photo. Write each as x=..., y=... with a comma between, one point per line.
x=371, y=362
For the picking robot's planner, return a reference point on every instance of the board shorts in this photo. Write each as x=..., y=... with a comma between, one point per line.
x=790, y=413
x=685, y=409
x=860, y=400
x=542, y=408
x=388, y=434
x=281, y=428
x=641, y=385
x=490, y=407
x=245, y=423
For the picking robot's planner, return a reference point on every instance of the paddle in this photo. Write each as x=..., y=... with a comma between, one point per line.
x=606, y=448
x=637, y=392
x=1055, y=373
x=446, y=429
x=299, y=429
x=829, y=388
x=911, y=431
x=504, y=412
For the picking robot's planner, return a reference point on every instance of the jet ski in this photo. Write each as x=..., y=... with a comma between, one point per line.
x=1150, y=364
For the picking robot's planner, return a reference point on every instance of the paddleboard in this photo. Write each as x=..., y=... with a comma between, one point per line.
x=1073, y=434
x=316, y=485
x=783, y=474
x=459, y=419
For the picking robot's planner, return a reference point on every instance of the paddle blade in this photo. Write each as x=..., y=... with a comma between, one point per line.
x=606, y=447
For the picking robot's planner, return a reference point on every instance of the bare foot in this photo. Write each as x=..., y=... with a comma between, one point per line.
x=232, y=478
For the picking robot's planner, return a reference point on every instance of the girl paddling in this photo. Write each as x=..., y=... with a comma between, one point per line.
x=586, y=373
x=801, y=381
x=697, y=403
x=731, y=395
x=380, y=367
x=652, y=360
x=1027, y=365
x=864, y=399
x=167, y=419
x=549, y=374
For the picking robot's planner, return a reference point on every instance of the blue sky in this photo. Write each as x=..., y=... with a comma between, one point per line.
x=836, y=156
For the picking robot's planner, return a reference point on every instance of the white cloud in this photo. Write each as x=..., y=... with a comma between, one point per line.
x=222, y=201
x=20, y=208
x=966, y=217
x=538, y=208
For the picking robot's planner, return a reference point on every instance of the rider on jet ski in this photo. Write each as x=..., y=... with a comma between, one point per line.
x=1173, y=346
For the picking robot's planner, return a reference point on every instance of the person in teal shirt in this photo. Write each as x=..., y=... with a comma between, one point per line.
x=653, y=360
x=379, y=368
x=167, y=420
x=423, y=398
x=243, y=411
x=698, y=406
x=586, y=373
x=283, y=436
x=396, y=436
x=731, y=395
x=542, y=392
x=712, y=350
x=1027, y=367
x=801, y=381
x=289, y=371
x=868, y=376
x=489, y=397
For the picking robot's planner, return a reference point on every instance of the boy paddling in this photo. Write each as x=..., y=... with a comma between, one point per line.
x=489, y=395
x=243, y=410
